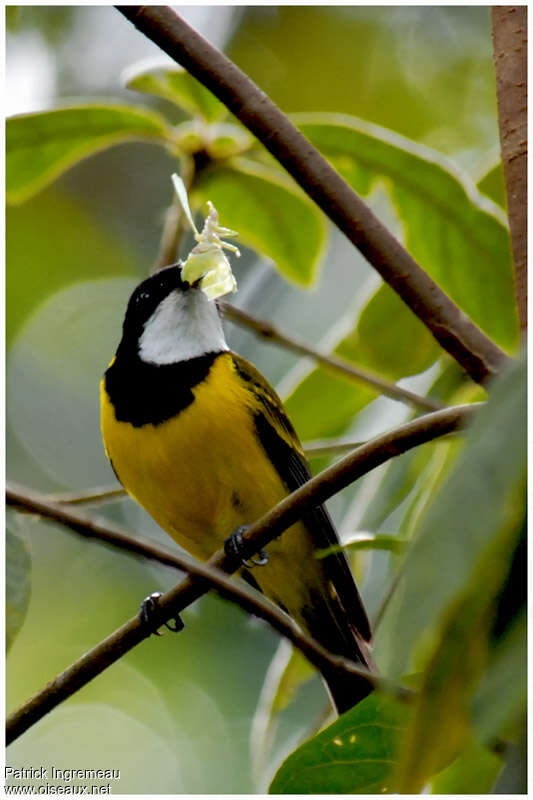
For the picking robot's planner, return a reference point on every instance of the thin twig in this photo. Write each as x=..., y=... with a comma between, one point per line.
x=24, y=499
x=332, y=362
x=258, y=535
x=329, y=447
x=509, y=31
x=454, y=331
x=97, y=494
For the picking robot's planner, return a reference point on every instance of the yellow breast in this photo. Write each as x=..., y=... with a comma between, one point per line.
x=202, y=473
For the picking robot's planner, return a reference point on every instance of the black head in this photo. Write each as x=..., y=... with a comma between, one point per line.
x=145, y=299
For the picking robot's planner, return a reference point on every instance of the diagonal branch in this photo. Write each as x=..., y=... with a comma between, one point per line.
x=23, y=499
x=330, y=361
x=454, y=331
x=258, y=535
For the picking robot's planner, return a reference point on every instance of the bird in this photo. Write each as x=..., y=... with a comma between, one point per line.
x=200, y=439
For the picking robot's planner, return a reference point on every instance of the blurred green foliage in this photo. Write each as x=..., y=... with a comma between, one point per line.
x=218, y=708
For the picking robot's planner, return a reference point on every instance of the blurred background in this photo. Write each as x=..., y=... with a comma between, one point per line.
x=186, y=705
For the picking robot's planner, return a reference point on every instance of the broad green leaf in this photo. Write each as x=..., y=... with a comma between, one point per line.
x=355, y=755
x=40, y=147
x=388, y=340
x=501, y=695
x=472, y=507
x=220, y=141
x=49, y=230
x=440, y=725
x=493, y=185
x=458, y=236
x=270, y=215
x=55, y=365
x=18, y=582
x=175, y=84
x=323, y=404
x=474, y=772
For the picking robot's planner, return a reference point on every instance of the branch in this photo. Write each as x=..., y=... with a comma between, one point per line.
x=454, y=331
x=331, y=362
x=24, y=499
x=97, y=494
x=509, y=32
x=258, y=535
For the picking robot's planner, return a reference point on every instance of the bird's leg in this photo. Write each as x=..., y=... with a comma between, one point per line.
x=234, y=545
x=148, y=608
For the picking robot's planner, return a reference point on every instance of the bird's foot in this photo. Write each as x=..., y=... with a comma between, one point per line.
x=147, y=611
x=234, y=545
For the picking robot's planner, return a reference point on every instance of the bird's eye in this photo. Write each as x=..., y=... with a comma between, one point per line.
x=142, y=296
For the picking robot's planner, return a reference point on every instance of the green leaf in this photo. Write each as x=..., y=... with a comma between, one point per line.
x=323, y=404
x=354, y=755
x=476, y=502
x=399, y=479
x=388, y=340
x=297, y=671
x=18, y=582
x=40, y=147
x=474, y=772
x=366, y=541
x=440, y=725
x=457, y=235
x=270, y=215
x=417, y=466
x=501, y=695
x=220, y=142
x=48, y=230
x=493, y=185
x=385, y=340
x=179, y=87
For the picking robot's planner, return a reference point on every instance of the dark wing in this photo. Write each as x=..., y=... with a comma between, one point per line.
x=283, y=447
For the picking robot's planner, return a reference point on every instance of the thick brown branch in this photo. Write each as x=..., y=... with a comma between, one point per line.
x=331, y=362
x=509, y=31
x=258, y=535
x=454, y=331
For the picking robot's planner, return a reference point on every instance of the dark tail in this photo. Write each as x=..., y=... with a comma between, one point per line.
x=327, y=622
x=348, y=690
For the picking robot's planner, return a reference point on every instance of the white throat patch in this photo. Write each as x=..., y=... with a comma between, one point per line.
x=184, y=325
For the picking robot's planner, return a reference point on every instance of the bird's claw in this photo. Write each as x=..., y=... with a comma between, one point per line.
x=234, y=545
x=146, y=613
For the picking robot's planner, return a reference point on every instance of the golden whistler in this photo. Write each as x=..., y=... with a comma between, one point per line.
x=199, y=438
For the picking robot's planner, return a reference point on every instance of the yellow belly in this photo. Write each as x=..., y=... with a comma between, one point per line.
x=203, y=473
